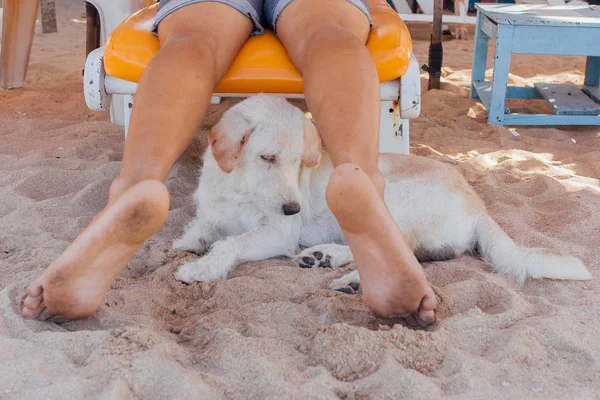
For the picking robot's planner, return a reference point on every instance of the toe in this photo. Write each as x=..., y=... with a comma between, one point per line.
x=427, y=308
x=308, y=261
x=29, y=313
x=34, y=289
x=32, y=303
x=188, y=273
x=325, y=263
x=184, y=277
x=345, y=289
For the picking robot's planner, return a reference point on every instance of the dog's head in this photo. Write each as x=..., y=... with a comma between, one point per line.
x=266, y=142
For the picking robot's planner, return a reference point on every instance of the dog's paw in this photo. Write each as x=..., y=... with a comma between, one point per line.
x=199, y=271
x=315, y=259
x=349, y=283
x=325, y=256
x=197, y=245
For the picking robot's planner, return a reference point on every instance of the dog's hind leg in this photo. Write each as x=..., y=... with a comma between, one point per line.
x=444, y=253
x=325, y=256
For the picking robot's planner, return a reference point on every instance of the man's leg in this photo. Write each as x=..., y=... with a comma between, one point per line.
x=326, y=41
x=198, y=43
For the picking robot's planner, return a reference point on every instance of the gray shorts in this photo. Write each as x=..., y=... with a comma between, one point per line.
x=263, y=13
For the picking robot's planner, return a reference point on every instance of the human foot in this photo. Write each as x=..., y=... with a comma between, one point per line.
x=75, y=284
x=392, y=281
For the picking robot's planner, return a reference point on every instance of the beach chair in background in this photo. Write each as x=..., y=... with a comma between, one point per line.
x=261, y=66
x=408, y=13
x=102, y=17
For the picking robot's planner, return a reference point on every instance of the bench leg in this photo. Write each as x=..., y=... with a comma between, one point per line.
x=500, y=78
x=18, y=27
x=479, y=56
x=393, y=131
x=592, y=71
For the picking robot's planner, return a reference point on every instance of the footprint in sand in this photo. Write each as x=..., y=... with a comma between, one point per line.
x=350, y=353
x=558, y=213
x=490, y=298
x=50, y=184
x=533, y=187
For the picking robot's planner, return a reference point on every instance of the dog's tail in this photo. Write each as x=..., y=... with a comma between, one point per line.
x=505, y=257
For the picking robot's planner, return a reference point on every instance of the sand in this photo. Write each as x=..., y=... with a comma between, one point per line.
x=272, y=330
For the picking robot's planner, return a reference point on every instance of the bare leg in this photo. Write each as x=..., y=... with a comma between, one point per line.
x=460, y=9
x=196, y=51
x=325, y=40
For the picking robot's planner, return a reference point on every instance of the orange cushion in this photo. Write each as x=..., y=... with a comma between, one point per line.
x=262, y=64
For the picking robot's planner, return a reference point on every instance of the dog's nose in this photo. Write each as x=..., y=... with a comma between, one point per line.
x=291, y=208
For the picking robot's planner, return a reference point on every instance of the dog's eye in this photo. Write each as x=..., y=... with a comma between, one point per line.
x=269, y=158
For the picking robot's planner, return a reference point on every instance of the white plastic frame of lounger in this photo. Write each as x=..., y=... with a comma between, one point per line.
x=400, y=100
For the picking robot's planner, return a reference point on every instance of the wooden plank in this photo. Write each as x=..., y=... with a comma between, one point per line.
x=489, y=27
x=567, y=99
x=535, y=14
x=512, y=92
x=484, y=91
x=559, y=40
x=593, y=92
x=550, y=119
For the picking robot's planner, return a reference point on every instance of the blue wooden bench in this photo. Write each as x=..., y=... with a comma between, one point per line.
x=535, y=29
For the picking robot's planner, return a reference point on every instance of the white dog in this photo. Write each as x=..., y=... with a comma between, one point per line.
x=262, y=195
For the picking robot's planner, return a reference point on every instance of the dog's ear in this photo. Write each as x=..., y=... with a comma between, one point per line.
x=228, y=137
x=311, y=156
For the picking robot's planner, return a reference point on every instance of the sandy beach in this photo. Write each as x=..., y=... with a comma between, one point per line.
x=273, y=330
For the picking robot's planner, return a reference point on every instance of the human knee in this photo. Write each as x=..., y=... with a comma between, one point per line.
x=191, y=41
x=336, y=36
x=330, y=37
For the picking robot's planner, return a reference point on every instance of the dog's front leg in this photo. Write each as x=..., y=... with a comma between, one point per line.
x=198, y=236
x=258, y=244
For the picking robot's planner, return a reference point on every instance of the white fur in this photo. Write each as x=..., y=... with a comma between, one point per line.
x=240, y=218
